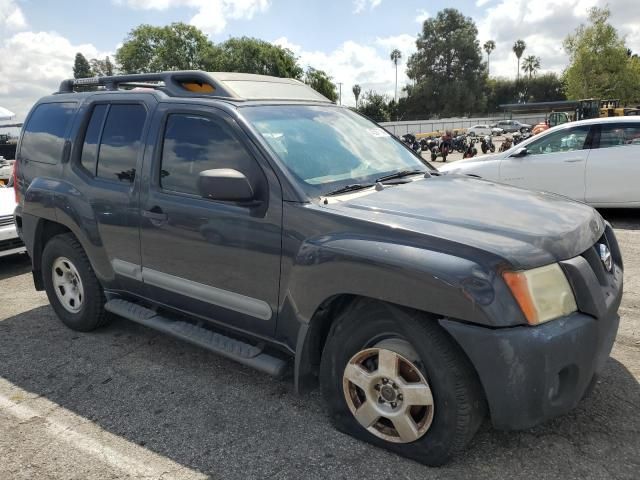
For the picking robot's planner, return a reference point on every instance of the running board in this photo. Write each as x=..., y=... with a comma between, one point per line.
x=244, y=353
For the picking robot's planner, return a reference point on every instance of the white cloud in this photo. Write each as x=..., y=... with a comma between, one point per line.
x=353, y=63
x=360, y=6
x=482, y=3
x=422, y=15
x=543, y=25
x=11, y=15
x=211, y=15
x=33, y=64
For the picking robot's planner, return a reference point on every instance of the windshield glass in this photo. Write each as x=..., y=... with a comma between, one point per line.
x=327, y=148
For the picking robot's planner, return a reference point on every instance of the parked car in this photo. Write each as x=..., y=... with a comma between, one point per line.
x=483, y=130
x=511, y=126
x=6, y=168
x=10, y=242
x=593, y=161
x=253, y=217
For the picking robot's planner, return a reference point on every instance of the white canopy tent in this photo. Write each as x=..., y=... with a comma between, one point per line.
x=6, y=114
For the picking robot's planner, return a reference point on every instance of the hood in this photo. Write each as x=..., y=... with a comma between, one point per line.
x=528, y=229
x=7, y=201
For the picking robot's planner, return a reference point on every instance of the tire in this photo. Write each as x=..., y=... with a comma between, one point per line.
x=493, y=148
x=85, y=311
x=458, y=406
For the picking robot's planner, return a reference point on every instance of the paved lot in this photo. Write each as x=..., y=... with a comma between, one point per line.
x=126, y=402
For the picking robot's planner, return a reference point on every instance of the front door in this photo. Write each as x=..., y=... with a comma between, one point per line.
x=218, y=260
x=555, y=162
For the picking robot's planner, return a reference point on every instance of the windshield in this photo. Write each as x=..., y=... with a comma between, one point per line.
x=328, y=147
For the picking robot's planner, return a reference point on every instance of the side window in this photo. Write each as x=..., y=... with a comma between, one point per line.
x=43, y=138
x=121, y=141
x=89, y=158
x=566, y=140
x=193, y=144
x=618, y=135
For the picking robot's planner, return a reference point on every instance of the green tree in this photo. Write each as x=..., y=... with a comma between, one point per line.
x=375, y=106
x=600, y=66
x=321, y=83
x=356, y=93
x=489, y=46
x=447, y=68
x=395, y=56
x=250, y=55
x=531, y=65
x=518, y=48
x=173, y=47
x=81, y=67
x=543, y=88
x=101, y=68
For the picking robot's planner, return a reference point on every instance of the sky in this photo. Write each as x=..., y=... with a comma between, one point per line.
x=349, y=39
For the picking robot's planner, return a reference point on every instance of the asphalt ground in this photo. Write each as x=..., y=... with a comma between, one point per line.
x=126, y=402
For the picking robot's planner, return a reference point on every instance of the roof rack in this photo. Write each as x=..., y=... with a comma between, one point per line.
x=191, y=83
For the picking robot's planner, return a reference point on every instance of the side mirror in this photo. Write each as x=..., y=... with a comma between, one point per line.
x=225, y=184
x=521, y=152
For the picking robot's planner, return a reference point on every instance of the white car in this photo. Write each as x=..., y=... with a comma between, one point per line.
x=595, y=161
x=10, y=243
x=482, y=130
x=6, y=168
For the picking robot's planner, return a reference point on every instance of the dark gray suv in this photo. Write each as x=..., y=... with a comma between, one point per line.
x=252, y=217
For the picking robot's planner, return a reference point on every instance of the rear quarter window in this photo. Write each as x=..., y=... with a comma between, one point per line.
x=44, y=134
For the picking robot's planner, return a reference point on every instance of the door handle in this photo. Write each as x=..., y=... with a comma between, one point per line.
x=155, y=215
x=574, y=160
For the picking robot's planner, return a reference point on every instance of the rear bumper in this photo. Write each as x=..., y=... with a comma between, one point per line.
x=10, y=242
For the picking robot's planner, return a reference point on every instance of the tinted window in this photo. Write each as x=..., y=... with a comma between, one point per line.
x=43, y=139
x=193, y=144
x=565, y=140
x=121, y=140
x=618, y=135
x=92, y=136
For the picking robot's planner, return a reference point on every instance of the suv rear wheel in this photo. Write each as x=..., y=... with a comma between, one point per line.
x=71, y=285
x=397, y=380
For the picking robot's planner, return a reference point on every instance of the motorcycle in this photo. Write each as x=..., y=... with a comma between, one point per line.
x=410, y=140
x=471, y=150
x=459, y=143
x=517, y=138
x=441, y=149
x=506, y=144
x=486, y=144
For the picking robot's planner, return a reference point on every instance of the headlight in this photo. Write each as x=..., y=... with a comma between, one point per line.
x=542, y=293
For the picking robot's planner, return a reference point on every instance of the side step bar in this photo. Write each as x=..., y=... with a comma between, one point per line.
x=244, y=353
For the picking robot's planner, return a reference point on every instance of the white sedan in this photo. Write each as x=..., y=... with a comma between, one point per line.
x=482, y=130
x=595, y=161
x=10, y=243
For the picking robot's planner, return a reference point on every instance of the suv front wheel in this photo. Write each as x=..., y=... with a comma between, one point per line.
x=71, y=285
x=395, y=379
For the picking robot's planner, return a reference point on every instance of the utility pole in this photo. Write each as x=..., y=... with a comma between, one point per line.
x=340, y=93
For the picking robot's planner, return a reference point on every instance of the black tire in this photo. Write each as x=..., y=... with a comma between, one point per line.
x=459, y=403
x=91, y=314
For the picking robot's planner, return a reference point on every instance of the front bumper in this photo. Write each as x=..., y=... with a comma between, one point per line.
x=531, y=374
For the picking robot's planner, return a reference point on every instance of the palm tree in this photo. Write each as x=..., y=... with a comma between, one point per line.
x=489, y=46
x=518, y=48
x=531, y=65
x=395, y=56
x=356, y=92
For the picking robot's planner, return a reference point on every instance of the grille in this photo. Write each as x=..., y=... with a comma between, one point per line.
x=6, y=220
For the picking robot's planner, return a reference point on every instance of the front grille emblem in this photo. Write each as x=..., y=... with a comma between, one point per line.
x=605, y=256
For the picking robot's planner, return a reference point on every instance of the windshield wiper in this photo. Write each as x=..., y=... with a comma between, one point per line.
x=400, y=174
x=349, y=188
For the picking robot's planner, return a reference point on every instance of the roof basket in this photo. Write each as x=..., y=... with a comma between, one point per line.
x=195, y=83
x=176, y=84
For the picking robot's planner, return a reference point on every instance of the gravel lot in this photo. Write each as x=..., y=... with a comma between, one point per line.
x=126, y=402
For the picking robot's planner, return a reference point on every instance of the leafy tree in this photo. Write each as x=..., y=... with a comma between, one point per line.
x=375, y=106
x=600, y=65
x=250, y=55
x=544, y=88
x=518, y=48
x=173, y=47
x=101, y=68
x=531, y=65
x=356, y=93
x=81, y=67
x=489, y=46
x=321, y=83
x=395, y=56
x=447, y=67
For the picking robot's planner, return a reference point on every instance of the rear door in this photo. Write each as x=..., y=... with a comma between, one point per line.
x=613, y=168
x=555, y=162
x=217, y=260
